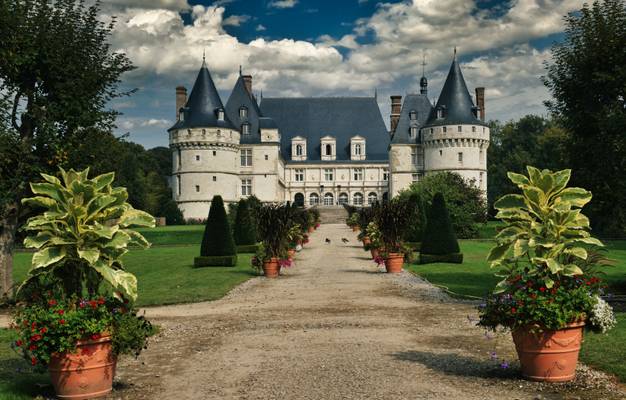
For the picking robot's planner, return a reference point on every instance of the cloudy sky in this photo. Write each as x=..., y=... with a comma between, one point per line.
x=332, y=48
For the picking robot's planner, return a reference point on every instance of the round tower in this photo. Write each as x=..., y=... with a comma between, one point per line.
x=454, y=137
x=205, y=151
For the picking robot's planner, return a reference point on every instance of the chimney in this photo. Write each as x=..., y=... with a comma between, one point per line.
x=480, y=102
x=396, y=106
x=181, y=99
x=247, y=80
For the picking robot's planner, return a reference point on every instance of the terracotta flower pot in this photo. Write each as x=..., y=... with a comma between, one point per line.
x=311, y=229
x=374, y=252
x=549, y=355
x=85, y=374
x=271, y=268
x=355, y=229
x=394, y=263
x=366, y=240
x=291, y=252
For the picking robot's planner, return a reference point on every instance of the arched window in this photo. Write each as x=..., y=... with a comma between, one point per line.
x=343, y=198
x=314, y=199
x=299, y=150
x=372, y=198
x=357, y=149
x=243, y=112
x=413, y=132
x=298, y=200
x=413, y=115
x=357, y=199
x=329, y=150
x=329, y=199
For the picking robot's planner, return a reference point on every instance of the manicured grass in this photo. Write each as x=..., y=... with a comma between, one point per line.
x=17, y=380
x=166, y=275
x=474, y=278
x=173, y=235
x=489, y=229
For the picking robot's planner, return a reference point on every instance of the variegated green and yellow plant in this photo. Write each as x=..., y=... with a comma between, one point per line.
x=546, y=235
x=83, y=233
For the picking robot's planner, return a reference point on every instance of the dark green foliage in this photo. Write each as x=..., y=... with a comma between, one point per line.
x=586, y=79
x=392, y=219
x=466, y=202
x=217, y=239
x=454, y=258
x=245, y=229
x=171, y=212
x=215, y=261
x=247, y=248
x=417, y=217
x=439, y=237
x=274, y=224
x=414, y=245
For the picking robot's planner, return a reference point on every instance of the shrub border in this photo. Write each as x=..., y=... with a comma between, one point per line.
x=454, y=258
x=247, y=248
x=215, y=261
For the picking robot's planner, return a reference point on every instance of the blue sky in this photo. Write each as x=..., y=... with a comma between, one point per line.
x=332, y=48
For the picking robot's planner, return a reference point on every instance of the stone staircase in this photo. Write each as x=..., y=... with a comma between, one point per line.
x=333, y=214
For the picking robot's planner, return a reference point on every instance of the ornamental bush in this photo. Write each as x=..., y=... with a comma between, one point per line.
x=217, y=239
x=439, y=238
x=244, y=231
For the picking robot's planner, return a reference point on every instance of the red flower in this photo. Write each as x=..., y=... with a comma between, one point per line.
x=43, y=330
x=33, y=361
x=34, y=324
x=553, y=291
x=100, y=300
x=96, y=336
x=52, y=302
x=19, y=343
x=35, y=338
x=542, y=289
x=60, y=312
x=61, y=321
x=32, y=347
x=93, y=304
x=513, y=310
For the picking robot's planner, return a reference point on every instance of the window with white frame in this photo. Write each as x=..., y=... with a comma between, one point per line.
x=413, y=132
x=414, y=156
x=358, y=174
x=328, y=174
x=372, y=198
x=243, y=112
x=357, y=199
x=385, y=174
x=357, y=146
x=246, y=157
x=245, y=129
x=415, y=177
x=220, y=115
x=299, y=175
x=314, y=199
x=460, y=157
x=329, y=199
x=357, y=149
x=413, y=115
x=343, y=199
x=328, y=148
x=299, y=150
x=246, y=187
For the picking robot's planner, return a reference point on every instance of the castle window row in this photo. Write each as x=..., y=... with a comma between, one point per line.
x=328, y=199
x=328, y=148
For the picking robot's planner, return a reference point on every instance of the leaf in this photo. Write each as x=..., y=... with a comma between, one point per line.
x=534, y=174
x=137, y=218
x=119, y=241
x=520, y=248
x=47, y=189
x=548, y=282
x=103, y=180
x=97, y=204
x=35, y=242
x=572, y=269
x=518, y=179
x=577, y=252
x=591, y=240
x=40, y=201
x=501, y=286
x=91, y=255
x=119, y=279
x=554, y=266
x=561, y=178
x=498, y=252
x=51, y=179
x=47, y=256
x=510, y=201
x=577, y=197
x=137, y=238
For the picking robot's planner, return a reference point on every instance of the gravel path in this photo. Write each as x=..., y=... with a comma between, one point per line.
x=333, y=327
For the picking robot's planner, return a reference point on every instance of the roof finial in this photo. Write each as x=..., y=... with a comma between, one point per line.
x=204, y=57
x=240, y=73
x=455, y=52
x=423, y=63
x=376, y=94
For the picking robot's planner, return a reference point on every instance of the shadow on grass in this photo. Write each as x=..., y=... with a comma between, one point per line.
x=458, y=365
x=19, y=381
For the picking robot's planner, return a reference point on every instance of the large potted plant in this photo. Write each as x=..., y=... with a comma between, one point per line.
x=549, y=291
x=375, y=239
x=353, y=221
x=75, y=309
x=273, y=224
x=392, y=220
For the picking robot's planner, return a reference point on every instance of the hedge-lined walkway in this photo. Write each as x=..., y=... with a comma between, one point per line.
x=333, y=327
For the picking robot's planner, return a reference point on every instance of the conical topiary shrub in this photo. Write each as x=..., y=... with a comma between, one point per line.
x=244, y=231
x=218, y=246
x=439, y=243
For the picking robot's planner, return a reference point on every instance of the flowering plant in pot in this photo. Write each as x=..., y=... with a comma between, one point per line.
x=274, y=226
x=353, y=221
x=375, y=239
x=75, y=307
x=392, y=220
x=366, y=215
x=548, y=261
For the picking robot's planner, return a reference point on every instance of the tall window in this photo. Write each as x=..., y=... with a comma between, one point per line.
x=220, y=115
x=445, y=129
x=329, y=199
x=329, y=150
x=460, y=157
x=245, y=129
x=413, y=115
x=357, y=149
x=246, y=187
x=243, y=112
x=413, y=132
x=459, y=128
x=328, y=174
x=358, y=174
x=415, y=177
x=473, y=129
x=180, y=159
x=197, y=188
x=314, y=199
x=179, y=185
x=357, y=199
x=385, y=174
x=343, y=199
x=246, y=157
x=299, y=175
x=372, y=198
x=298, y=149
x=414, y=156
x=481, y=155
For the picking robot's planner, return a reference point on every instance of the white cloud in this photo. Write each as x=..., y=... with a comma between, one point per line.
x=260, y=28
x=236, y=20
x=148, y=4
x=282, y=3
x=160, y=123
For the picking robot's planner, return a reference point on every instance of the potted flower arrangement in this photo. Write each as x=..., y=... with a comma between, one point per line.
x=353, y=221
x=375, y=239
x=75, y=311
x=294, y=237
x=545, y=254
x=274, y=224
x=392, y=219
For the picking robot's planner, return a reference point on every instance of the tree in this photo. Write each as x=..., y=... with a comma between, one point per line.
x=466, y=202
x=439, y=238
x=245, y=232
x=217, y=239
x=587, y=82
x=57, y=75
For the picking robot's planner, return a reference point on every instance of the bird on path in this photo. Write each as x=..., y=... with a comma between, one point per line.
x=344, y=240
x=327, y=241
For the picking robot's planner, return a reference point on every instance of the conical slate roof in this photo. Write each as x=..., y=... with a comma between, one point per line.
x=201, y=110
x=240, y=97
x=455, y=101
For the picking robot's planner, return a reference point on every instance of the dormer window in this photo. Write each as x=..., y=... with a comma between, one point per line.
x=357, y=148
x=298, y=148
x=413, y=115
x=181, y=114
x=245, y=129
x=220, y=115
x=413, y=132
x=440, y=113
x=328, y=148
x=243, y=112
x=299, y=151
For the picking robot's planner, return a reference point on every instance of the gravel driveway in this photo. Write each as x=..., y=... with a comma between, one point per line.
x=333, y=327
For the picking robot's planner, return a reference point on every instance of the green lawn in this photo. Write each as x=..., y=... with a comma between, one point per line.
x=475, y=279
x=17, y=381
x=173, y=235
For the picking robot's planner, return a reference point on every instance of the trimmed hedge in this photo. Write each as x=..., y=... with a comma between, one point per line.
x=215, y=261
x=218, y=238
x=439, y=237
x=454, y=258
x=247, y=248
x=416, y=246
x=244, y=231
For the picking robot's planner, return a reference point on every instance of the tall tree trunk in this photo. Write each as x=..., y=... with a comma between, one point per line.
x=8, y=230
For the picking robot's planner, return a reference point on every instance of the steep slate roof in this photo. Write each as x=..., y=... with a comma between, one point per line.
x=339, y=117
x=412, y=102
x=241, y=97
x=456, y=100
x=202, y=105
